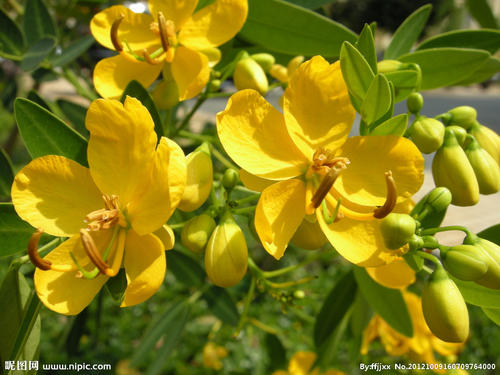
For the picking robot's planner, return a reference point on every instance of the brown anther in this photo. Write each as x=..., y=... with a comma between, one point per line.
x=324, y=160
x=327, y=183
x=106, y=217
x=390, y=200
x=35, y=258
x=114, y=33
x=148, y=58
x=92, y=252
x=163, y=29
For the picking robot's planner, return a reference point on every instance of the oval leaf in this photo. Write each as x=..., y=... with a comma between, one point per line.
x=394, y=126
x=75, y=113
x=481, y=11
x=377, y=100
x=185, y=269
x=356, y=71
x=487, y=70
x=388, y=303
x=366, y=45
x=6, y=174
x=37, y=52
x=11, y=37
x=478, y=295
x=488, y=40
x=222, y=305
x=491, y=234
x=492, y=314
x=37, y=22
x=73, y=51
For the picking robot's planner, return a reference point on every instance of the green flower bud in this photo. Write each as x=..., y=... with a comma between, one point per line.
x=214, y=85
x=199, y=179
x=465, y=262
x=492, y=253
x=488, y=139
x=249, y=75
x=430, y=242
x=166, y=94
x=464, y=116
x=416, y=243
x=388, y=66
x=486, y=168
x=415, y=102
x=451, y=169
x=309, y=236
x=299, y=294
x=444, y=308
x=439, y=199
x=196, y=232
x=230, y=179
x=460, y=133
x=265, y=60
x=427, y=134
x=226, y=254
x=397, y=230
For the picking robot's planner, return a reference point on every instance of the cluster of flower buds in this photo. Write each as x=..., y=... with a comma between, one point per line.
x=250, y=72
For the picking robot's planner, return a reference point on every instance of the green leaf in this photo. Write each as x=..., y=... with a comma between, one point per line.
x=45, y=134
x=478, y=295
x=491, y=234
x=18, y=318
x=75, y=113
x=388, y=303
x=185, y=269
x=116, y=286
x=222, y=305
x=37, y=52
x=361, y=315
x=432, y=219
x=487, y=70
x=37, y=22
x=492, y=314
x=169, y=324
x=311, y=4
x=276, y=353
x=414, y=261
x=394, y=126
x=481, y=11
x=356, y=71
x=404, y=81
x=377, y=100
x=287, y=28
x=6, y=175
x=366, y=45
x=11, y=37
x=488, y=40
x=136, y=90
x=336, y=305
x=408, y=32
x=35, y=98
x=73, y=51
x=445, y=66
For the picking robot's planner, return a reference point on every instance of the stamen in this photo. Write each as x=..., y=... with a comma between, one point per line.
x=106, y=217
x=82, y=273
x=390, y=200
x=92, y=252
x=162, y=26
x=327, y=183
x=114, y=33
x=118, y=255
x=35, y=258
x=150, y=60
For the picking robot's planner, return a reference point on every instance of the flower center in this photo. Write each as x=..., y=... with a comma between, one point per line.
x=106, y=217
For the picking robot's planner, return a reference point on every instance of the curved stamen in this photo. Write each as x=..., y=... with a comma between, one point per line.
x=92, y=252
x=390, y=200
x=35, y=258
x=327, y=183
x=114, y=33
x=118, y=255
x=162, y=26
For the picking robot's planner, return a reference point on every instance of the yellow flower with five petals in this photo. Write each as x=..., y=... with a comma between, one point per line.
x=110, y=210
x=309, y=163
x=174, y=38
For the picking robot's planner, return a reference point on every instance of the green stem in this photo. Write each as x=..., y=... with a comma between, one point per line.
x=226, y=162
x=29, y=319
x=71, y=77
x=249, y=199
x=430, y=257
x=244, y=210
x=244, y=189
x=285, y=270
x=178, y=225
x=431, y=231
x=248, y=300
x=263, y=326
x=185, y=121
x=195, y=137
x=256, y=271
x=290, y=283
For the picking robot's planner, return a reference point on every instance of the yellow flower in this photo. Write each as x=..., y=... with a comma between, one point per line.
x=301, y=364
x=212, y=355
x=109, y=210
x=312, y=164
x=282, y=73
x=174, y=38
x=419, y=348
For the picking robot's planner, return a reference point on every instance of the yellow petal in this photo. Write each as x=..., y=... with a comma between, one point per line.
x=253, y=182
x=317, y=108
x=301, y=363
x=190, y=71
x=249, y=129
x=215, y=24
x=63, y=292
x=363, y=181
x=145, y=266
x=279, y=212
x=397, y=274
x=55, y=193
x=280, y=372
x=178, y=11
x=113, y=74
x=166, y=236
x=121, y=146
x=154, y=204
x=134, y=29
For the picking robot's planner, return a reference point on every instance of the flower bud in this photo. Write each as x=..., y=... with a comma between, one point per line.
x=492, y=253
x=226, y=254
x=415, y=102
x=460, y=133
x=451, y=169
x=199, y=179
x=439, y=199
x=214, y=85
x=444, y=308
x=488, y=139
x=309, y=235
x=388, y=66
x=279, y=72
x=166, y=94
x=230, y=179
x=293, y=64
x=465, y=262
x=265, y=60
x=464, y=116
x=416, y=242
x=486, y=168
x=427, y=134
x=397, y=230
x=249, y=75
x=196, y=232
